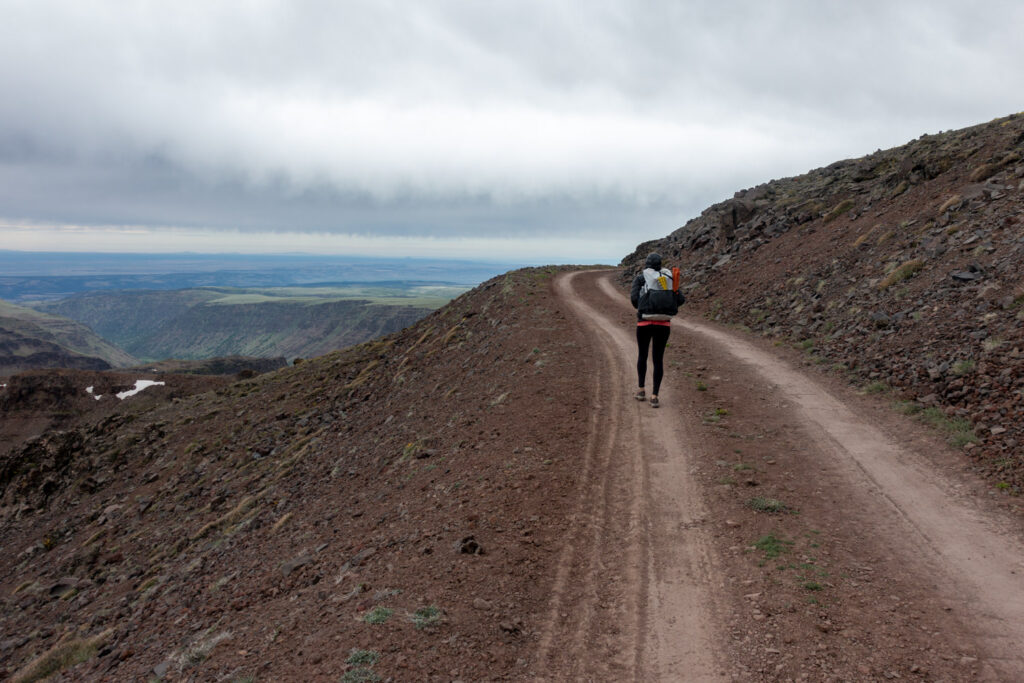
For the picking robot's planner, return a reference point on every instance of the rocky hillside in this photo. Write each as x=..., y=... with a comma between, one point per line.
x=30, y=340
x=901, y=269
x=371, y=512
x=214, y=322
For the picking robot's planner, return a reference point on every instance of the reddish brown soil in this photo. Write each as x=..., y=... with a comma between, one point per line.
x=255, y=530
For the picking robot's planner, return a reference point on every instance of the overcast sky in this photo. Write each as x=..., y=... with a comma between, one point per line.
x=542, y=131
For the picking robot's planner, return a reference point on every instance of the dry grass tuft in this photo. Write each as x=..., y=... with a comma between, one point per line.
x=60, y=657
x=280, y=523
x=838, y=210
x=901, y=273
x=950, y=203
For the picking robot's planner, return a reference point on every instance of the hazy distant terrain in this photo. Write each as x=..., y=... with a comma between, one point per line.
x=31, y=276
x=265, y=322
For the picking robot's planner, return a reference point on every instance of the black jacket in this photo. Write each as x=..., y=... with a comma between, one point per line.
x=634, y=295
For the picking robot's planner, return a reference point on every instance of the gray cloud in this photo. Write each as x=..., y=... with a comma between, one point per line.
x=447, y=118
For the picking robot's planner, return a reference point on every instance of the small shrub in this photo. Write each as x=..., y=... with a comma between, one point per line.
x=363, y=657
x=813, y=585
x=763, y=504
x=984, y=172
x=701, y=386
x=962, y=367
x=992, y=343
x=378, y=615
x=426, y=616
x=360, y=675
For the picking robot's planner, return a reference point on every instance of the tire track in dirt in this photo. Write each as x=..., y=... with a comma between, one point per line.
x=632, y=595
x=972, y=554
x=978, y=559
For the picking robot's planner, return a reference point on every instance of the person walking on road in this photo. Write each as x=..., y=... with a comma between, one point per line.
x=656, y=297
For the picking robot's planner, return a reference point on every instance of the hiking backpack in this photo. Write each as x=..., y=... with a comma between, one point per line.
x=657, y=300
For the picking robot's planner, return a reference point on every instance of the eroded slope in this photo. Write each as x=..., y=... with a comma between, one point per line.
x=261, y=529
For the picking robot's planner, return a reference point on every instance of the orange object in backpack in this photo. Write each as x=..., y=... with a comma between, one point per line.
x=675, y=279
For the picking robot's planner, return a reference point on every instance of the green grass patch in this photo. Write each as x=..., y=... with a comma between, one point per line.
x=959, y=430
x=908, y=407
x=701, y=386
x=876, y=388
x=772, y=546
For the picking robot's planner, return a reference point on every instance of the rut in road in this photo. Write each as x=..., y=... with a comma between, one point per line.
x=639, y=591
x=633, y=595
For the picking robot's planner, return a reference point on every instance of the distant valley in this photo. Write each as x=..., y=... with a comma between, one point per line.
x=32, y=339
x=98, y=311
x=264, y=322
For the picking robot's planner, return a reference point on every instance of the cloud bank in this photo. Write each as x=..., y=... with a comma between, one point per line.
x=446, y=119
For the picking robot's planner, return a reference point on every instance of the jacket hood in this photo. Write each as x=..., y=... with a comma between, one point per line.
x=653, y=261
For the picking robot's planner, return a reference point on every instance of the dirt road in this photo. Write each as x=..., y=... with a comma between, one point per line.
x=769, y=524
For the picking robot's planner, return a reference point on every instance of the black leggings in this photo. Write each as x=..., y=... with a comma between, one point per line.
x=645, y=334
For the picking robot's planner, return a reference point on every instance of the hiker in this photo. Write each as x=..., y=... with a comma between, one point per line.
x=656, y=298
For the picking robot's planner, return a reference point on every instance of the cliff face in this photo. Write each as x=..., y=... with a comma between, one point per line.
x=901, y=269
